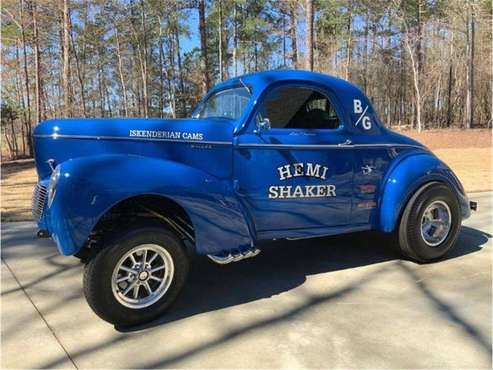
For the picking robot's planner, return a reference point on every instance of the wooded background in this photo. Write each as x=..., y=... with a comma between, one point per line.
x=424, y=63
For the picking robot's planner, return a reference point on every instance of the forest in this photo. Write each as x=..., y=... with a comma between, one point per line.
x=425, y=64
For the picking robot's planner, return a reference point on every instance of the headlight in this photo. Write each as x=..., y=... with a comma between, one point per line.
x=55, y=176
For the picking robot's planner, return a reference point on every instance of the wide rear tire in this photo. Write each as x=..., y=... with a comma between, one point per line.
x=430, y=223
x=137, y=276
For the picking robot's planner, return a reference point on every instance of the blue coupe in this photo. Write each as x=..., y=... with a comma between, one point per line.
x=271, y=155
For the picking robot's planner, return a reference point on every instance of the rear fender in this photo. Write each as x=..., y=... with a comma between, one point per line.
x=407, y=176
x=90, y=186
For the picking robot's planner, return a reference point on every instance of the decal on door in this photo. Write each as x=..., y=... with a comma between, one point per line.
x=159, y=134
x=367, y=169
x=363, y=118
x=294, y=170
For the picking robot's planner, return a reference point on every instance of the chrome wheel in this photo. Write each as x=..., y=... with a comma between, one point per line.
x=142, y=276
x=436, y=223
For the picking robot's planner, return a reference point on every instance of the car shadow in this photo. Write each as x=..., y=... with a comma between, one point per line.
x=284, y=265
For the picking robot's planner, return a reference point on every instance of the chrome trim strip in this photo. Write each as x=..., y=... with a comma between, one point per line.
x=223, y=260
x=324, y=146
x=91, y=137
x=38, y=201
x=245, y=146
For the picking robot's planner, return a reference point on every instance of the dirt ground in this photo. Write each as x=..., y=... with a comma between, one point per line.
x=452, y=139
x=468, y=153
x=18, y=181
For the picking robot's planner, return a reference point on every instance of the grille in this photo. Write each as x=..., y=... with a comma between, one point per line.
x=39, y=197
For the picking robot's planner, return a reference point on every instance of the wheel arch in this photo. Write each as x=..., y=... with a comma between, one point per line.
x=412, y=174
x=156, y=207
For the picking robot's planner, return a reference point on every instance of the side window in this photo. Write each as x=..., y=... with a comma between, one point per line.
x=299, y=107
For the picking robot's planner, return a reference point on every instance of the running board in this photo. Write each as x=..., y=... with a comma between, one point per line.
x=234, y=257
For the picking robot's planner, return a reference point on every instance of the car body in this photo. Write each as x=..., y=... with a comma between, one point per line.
x=238, y=178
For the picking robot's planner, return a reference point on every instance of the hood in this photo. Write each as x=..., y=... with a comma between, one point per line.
x=64, y=139
x=205, y=129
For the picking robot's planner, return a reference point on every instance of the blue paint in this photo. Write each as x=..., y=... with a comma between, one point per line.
x=221, y=171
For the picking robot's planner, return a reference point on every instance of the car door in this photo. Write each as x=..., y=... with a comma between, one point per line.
x=297, y=174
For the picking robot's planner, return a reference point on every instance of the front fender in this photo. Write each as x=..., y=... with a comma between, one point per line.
x=405, y=177
x=90, y=186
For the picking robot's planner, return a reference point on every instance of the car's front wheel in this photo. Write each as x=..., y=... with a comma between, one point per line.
x=430, y=223
x=137, y=276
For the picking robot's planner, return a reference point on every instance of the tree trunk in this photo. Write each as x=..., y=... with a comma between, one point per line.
x=309, y=34
x=349, y=50
x=255, y=50
x=37, y=63
x=100, y=88
x=120, y=72
x=161, y=70
x=403, y=88
x=367, y=32
x=204, y=60
x=419, y=36
x=20, y=97
x=235, y=40
x=66, y=58
x=180, y=73
x=414, y=69
x=8, y=141
x=171, y=77
x=417, y=92
x=26, y=80
x=79, y=75
x=283, y=40
x=220, y=40
x=293, y=34
x=144, y=61
x=107, y=99
x=471, y=71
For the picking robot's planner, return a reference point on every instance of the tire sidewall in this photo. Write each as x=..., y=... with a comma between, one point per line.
x=414, y=238
x=104, y=263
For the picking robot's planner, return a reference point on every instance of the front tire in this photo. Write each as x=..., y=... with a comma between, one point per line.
x=430, y=223
x=137, y=276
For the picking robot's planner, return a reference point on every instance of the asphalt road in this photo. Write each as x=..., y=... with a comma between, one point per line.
x=345, y=302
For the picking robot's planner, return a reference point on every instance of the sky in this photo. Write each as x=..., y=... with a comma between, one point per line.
x=189, y=43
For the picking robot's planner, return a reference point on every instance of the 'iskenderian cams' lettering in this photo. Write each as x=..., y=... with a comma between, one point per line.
x=157, y=134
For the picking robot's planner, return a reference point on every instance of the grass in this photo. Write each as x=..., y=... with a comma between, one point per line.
x=468, y=153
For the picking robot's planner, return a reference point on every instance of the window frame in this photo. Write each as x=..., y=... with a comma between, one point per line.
x=201, y=104
x=303, y=85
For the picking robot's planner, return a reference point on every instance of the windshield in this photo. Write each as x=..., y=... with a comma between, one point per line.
x=229, y=103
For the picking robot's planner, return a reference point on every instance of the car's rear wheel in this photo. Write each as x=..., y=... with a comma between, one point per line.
x=430, y=223
x=137, y=276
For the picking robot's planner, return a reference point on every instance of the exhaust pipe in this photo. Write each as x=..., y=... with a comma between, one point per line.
x=473, y=206
x=234, y=257
x=43, y=234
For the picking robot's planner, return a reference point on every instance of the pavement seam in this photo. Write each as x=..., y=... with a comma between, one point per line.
x=41, y=315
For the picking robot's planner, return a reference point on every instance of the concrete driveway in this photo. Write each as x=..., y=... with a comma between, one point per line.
x=345, y=302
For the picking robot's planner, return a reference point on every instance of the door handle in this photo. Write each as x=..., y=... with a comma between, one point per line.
x=347, y=142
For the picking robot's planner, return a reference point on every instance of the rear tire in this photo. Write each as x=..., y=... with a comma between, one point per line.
x=430, y=223
x=137, y=276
